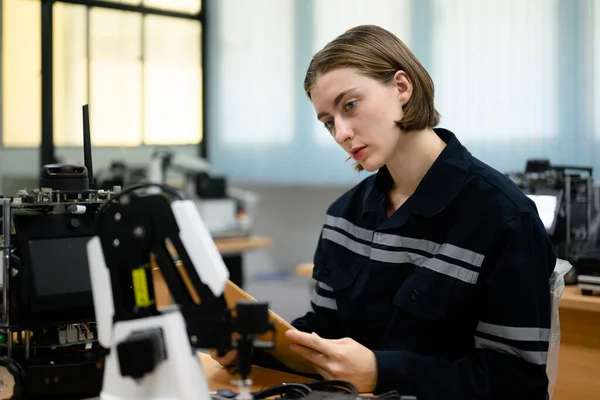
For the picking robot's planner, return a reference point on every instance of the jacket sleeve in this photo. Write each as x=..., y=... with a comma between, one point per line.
x=510, y=342
x=323, y=319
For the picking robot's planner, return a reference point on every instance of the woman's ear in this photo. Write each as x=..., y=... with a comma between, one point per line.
x=403, y=86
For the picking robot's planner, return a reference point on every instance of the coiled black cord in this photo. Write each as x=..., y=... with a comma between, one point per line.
x=295, y=390
x=287, y=390
x=335, y=386
x=15, y=369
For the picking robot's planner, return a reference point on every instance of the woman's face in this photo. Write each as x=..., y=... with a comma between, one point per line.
x=360, y=113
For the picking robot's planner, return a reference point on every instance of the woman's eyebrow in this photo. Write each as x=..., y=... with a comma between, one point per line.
x=336, y=101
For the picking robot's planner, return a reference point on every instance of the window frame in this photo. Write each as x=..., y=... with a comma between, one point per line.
x=47, y=147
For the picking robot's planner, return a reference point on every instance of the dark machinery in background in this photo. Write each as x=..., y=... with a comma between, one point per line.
x=565, y=198
x=48, y=335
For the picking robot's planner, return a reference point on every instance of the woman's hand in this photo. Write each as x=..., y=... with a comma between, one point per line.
x=343, y=359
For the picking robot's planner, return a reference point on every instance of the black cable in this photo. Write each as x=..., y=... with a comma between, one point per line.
x=15, y=369
x=165, y=188
x=299, y=390
x=219, y=397
x=391, y=395
x=334, y=385
x=291, y=390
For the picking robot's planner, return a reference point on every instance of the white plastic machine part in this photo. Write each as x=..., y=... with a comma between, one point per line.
x=180, y=376
x=200, y=246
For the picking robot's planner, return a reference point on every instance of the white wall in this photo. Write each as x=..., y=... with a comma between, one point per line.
x=292, y=217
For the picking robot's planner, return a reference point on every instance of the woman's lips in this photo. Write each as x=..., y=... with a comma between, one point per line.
x=357, y=155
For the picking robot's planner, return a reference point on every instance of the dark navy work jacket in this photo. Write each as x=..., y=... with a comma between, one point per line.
x=451, y=292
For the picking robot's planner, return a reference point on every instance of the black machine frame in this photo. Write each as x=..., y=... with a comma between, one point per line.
x=541, y=177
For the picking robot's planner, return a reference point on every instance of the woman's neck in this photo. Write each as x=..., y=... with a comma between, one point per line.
x=417, y=152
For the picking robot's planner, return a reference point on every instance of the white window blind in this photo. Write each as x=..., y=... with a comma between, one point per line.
x=172, y=81
x=255, y=43
x=186, y=6
x=264, y=129
x=495, y=68
x=115, y=77
x=70, y=79
x=21, y=78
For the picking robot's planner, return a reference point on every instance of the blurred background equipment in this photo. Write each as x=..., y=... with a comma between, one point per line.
x=568, y=206
x=226, y=211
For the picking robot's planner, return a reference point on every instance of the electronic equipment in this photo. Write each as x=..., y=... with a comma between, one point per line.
x=48, y=338
x=564, y=197
x=226, y=211
x=63, y=309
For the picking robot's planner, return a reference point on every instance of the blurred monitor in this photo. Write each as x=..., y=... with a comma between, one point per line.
x=547, y=203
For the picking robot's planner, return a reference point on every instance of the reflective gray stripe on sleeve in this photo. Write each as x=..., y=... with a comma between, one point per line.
x=342, y=240
x=322, y=301
x=361, y=233
x=447, y=249
x=534, y=357
x=515, y=333
x=434, y=264
x=325, y=286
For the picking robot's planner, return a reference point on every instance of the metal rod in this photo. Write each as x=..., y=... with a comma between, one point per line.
x=567, y=214
x=6, y=224
x=589, y=205
x=27, y=343
x=206, y=65
x=47, y=150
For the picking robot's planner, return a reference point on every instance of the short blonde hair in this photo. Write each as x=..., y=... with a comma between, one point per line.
x=379, y=54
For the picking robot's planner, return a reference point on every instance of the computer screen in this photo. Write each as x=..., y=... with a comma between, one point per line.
x=547, y=208
x=60, y=265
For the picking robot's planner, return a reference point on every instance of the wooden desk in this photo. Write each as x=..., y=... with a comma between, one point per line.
x=231, y=249
x=230, y=246
x=262, y=378
x=305, y=269
x=579, y=353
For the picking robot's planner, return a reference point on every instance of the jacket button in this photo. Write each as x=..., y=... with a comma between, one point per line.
x=326, y=271
x=414, y=296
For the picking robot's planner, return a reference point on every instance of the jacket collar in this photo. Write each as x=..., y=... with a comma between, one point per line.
x=440, y=185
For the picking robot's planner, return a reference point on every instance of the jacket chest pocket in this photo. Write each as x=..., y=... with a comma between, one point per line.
x=429, y=316
x=337, y=280
x=424, y=298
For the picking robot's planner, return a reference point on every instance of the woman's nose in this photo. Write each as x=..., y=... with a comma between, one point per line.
x=343, y=132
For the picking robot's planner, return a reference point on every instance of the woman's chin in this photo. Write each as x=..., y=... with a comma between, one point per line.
x=370, y=166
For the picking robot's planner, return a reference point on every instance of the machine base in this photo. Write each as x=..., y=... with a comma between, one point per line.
x=589, y=285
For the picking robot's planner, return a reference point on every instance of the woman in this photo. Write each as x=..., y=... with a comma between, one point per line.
x=432, y=274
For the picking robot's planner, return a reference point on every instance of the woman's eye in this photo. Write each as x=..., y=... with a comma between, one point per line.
x=350, y=105
x=328, y=125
